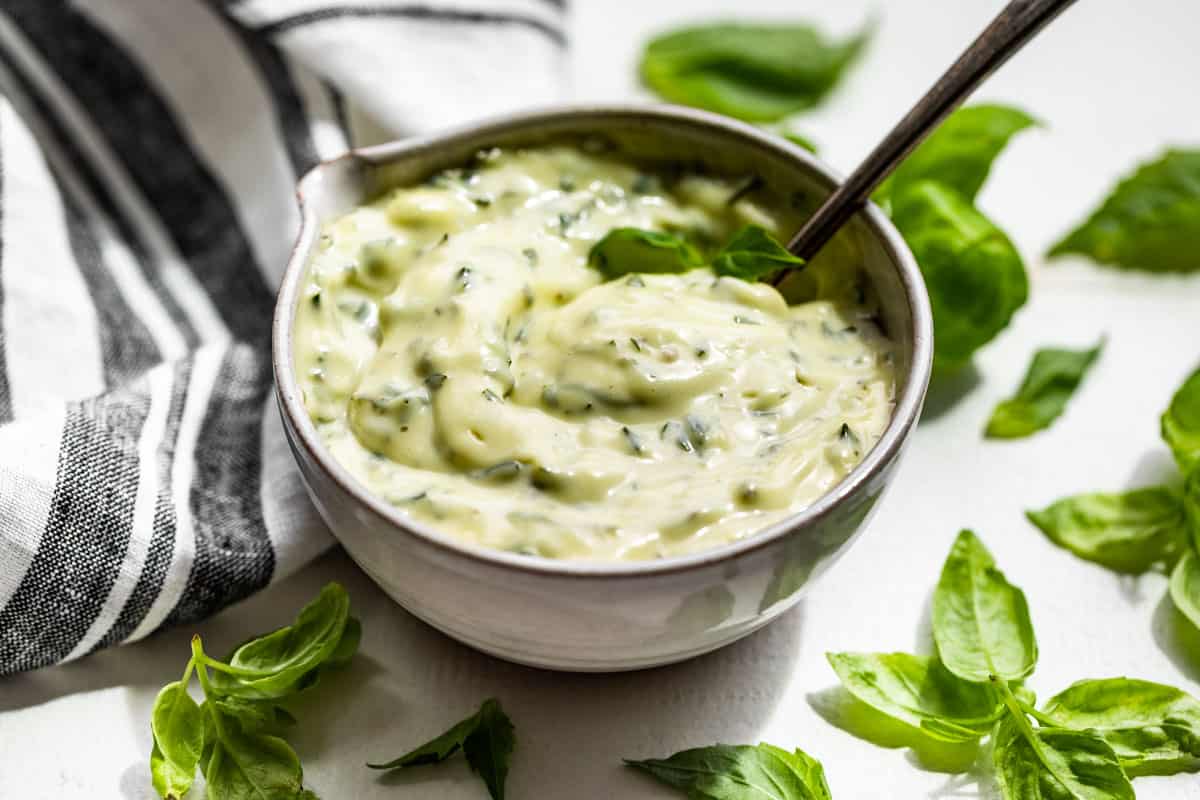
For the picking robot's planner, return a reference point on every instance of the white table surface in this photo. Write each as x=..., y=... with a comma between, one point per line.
x=1114, y=82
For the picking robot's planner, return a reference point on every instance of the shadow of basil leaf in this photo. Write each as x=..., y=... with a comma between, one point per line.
x=842, y=710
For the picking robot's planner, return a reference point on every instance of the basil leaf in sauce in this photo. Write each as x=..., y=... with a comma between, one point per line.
x=756, y=72
x=975, y=276
x=980, y=621
x=1185, y=586
x=626, y=250
x=920, y=692
x=1056, y=763
x=1152, y=728
x=1053, y=376
x=486, y=739
x=1181, y=424
x=753, y=253
x=959, y=154
x=740, y=772
x=1150, y=221
x=1129, y=532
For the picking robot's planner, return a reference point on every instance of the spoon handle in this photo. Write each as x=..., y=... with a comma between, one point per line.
x=1007, y=33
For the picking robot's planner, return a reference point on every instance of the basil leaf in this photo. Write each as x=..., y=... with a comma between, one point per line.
x=281, y=663
x=169, y=779
x=1181, y=424
x=1152, y=728
x=975, y=276
x=918, y=691
x=753, y=253
x=1127, y=532
x=253, y=767
x=1057, y=763
x=625, y=250
x=1185, y=586
x=486, y=739
x=959, y=154
x=981, y=621
x=1052, y=378
x=347, y=646
x=936, y=702
x=256, y=716
x=1150, y=221
x=177, y=725
x=757, y=72
x=740, y=772
x=489, y=747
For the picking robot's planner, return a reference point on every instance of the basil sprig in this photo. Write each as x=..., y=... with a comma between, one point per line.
x=1147, y=528
x=1084, y=744
x=752, y=253
x=626, y=250
x=486, y=738
x=754, y=72
x=233, y=736
x=1150, y=221
x=740, y=772
x=1053, y=376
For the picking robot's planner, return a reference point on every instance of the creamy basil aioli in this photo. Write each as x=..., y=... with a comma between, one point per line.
x=460, y=358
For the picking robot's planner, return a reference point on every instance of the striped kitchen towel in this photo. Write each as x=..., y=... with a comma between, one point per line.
x=148, y=150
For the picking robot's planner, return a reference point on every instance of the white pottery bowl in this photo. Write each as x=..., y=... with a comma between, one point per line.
x=604, y=616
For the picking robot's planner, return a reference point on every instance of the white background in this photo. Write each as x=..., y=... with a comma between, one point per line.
x=1114, y=82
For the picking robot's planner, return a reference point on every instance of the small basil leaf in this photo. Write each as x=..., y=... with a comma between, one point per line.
x=177, y=724
x=253, y=767
x=1053, y=377
x=626, y=250
x=1152, y=728
x=975, y=277
x=740, y=772
x=1056, y=763
x=170, y=779
x=980, y=621
x=1150, y=221
x=1185, y=586
x=1181, y=424
x=918, y=691
x=435, y=750
x=281, y=663
x=489, y=747
x=754, y=72
x=1128, y=532
x=959, y=154
x=486, y=739
x=753, y=253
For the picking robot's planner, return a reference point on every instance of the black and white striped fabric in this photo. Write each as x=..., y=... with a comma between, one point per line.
x=148, y=150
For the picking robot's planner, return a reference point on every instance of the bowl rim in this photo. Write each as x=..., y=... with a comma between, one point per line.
x=905, y=414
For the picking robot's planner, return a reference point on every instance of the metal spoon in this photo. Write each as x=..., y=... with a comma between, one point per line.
x=1007, y=34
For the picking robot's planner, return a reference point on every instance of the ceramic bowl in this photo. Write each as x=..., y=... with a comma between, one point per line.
x=600, y=616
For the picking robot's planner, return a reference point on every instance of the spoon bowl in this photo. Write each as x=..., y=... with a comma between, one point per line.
x=605, y=616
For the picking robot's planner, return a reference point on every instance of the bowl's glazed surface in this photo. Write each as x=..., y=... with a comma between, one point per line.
x=593, y=616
